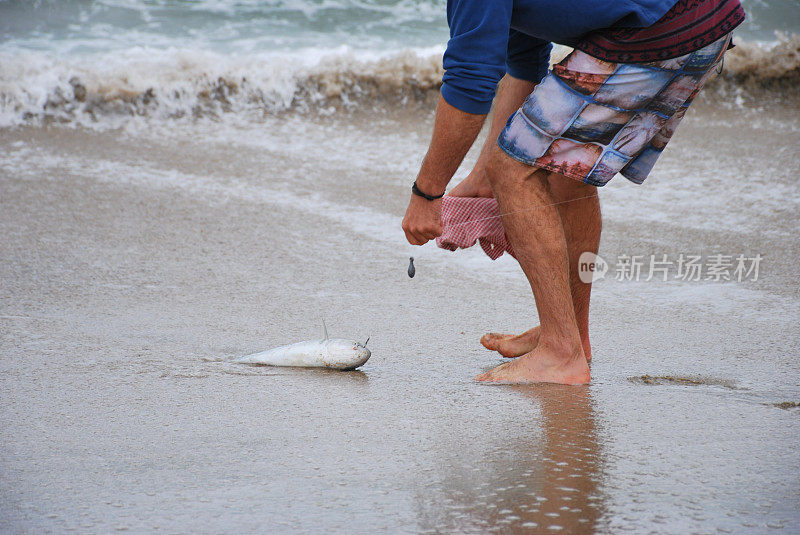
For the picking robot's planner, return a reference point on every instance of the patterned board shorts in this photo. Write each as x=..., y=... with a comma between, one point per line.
x=591, y=119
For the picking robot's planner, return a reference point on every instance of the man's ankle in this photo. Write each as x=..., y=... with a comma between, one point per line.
x=568, y=347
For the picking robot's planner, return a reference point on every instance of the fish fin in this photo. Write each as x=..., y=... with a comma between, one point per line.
x=324, y=330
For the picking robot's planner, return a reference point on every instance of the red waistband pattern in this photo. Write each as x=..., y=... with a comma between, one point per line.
x=688, y=26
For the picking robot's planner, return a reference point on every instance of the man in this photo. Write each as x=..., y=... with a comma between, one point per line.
x=609, y=107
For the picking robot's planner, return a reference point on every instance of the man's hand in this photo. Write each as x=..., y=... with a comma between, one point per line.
x=423, y=220
x=454, y=131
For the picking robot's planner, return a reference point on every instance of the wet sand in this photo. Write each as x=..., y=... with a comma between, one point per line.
x=133, y=262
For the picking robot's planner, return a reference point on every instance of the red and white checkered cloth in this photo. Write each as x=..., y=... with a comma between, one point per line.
x=466, y=220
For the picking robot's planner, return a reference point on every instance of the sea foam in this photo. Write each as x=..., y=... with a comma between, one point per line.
x=106, y=89
x=37, y=87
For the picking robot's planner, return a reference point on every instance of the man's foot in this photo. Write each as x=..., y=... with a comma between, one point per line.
x=515, y=345
x=542, y=365
x=473, y=186
x=511, y=345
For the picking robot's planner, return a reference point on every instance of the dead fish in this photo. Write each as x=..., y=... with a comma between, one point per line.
x=334, y=353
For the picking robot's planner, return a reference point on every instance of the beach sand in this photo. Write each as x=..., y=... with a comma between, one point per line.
x=135, y=262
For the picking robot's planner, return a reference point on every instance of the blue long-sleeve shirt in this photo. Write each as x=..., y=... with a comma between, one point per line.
x=489, y=38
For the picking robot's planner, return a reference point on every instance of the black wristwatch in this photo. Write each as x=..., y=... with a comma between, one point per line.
x=416, y=191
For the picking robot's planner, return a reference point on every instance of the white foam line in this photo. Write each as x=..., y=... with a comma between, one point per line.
x=107, y=90
x=384, y=229
x=380, y=227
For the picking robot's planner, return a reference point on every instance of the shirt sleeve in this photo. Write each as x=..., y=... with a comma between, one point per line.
x=528, y=57
x=475, y=58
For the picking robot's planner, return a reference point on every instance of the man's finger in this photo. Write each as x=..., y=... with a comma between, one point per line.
x=413, y=238
x=431, y=233
x=420, y=238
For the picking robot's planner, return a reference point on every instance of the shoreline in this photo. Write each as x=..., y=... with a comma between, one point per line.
x=133, y=260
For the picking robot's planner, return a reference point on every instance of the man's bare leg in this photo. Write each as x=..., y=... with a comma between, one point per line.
x=511, y=93
x=540, y=243
x=581, y=219
x=579, y=210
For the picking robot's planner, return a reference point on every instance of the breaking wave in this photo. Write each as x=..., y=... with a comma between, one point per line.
x=35, y=88
x=108, y=90
x=773, y=65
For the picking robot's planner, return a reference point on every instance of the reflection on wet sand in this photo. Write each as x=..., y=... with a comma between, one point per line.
x=540, y=476
x=260, y=370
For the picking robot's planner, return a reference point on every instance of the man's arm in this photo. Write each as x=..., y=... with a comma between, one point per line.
x=481, y=49
x=511, y=93
x=454, y=132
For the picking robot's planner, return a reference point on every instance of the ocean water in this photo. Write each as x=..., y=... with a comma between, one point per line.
x=98, y=63
x=182, y=182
